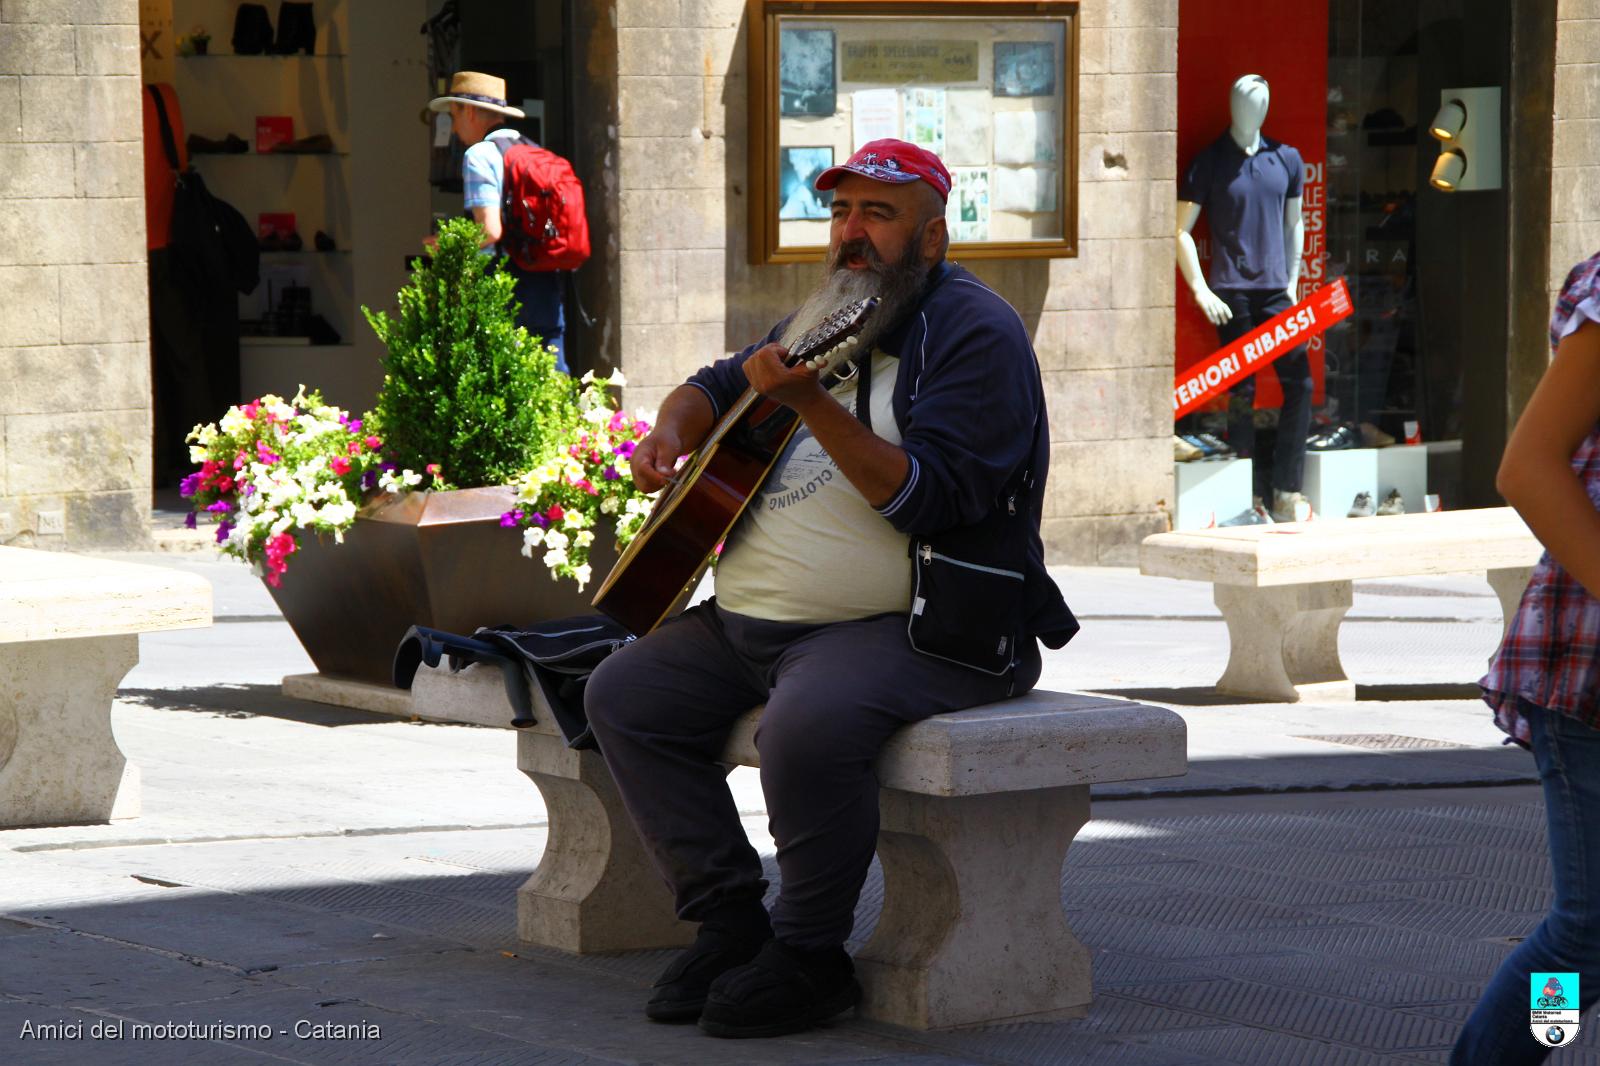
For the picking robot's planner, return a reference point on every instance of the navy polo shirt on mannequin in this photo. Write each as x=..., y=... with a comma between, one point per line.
x=1244, y=196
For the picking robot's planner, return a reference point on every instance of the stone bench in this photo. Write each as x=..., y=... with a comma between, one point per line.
x=1283, y=589
x=977, y=810
x=69, y=630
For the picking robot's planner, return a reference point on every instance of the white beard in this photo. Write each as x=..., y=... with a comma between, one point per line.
x=897, y=288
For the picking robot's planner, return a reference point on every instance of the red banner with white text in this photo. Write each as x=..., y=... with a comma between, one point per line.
x=1282, y=333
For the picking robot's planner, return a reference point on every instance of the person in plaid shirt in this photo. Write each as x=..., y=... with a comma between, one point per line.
x=1544, y=684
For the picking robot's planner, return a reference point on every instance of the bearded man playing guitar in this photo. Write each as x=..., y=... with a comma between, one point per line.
x=815, y=593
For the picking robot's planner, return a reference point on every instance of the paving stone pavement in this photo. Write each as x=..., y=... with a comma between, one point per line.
x=1308, y=894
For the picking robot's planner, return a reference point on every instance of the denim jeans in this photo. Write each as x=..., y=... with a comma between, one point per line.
x=1568, y=940
x=1285, y=469
x=542, y=296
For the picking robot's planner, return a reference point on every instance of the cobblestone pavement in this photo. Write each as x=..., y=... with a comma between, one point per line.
x=1311, y=892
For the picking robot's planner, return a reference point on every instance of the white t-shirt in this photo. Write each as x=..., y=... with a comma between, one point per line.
x=810, y=548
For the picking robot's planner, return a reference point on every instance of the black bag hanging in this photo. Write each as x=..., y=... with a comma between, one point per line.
x=209, y=238
x=557, y=657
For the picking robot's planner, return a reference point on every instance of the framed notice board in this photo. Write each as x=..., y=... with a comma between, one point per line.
x=990, y=86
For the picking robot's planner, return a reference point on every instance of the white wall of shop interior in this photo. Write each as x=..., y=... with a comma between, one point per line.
x=74, y=326
x=1101, y=322
x=365, y=87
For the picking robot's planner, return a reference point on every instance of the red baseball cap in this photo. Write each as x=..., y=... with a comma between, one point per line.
x=896, y=162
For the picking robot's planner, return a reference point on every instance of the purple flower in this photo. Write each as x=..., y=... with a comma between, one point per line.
x=389, y=467
x=610, y=473
x=355, y=425
x=369, y=479
x=189, y=520
x=223, y=530
x=539, y=520
x=248, y=490
x=189, y=485
x=221, y=507
x=510, y=519
x=625, y=449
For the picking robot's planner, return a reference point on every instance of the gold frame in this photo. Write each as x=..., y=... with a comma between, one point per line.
x=763, y=17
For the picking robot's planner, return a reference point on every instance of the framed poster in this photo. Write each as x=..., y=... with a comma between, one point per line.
x=988, y=85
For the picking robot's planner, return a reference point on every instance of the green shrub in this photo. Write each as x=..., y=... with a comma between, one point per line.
x=464, y=386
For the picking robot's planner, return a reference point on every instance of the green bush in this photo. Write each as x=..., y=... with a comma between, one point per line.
x=464, y=386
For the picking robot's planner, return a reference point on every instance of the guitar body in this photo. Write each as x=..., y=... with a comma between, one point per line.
x=661, y=566
x=664, y=562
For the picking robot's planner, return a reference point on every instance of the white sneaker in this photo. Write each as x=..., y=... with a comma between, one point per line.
x=1362, y=507
x=1255, y=515
x=1290, y=507
x=1394, y=503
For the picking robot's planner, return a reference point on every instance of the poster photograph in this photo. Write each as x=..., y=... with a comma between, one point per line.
x=968, y=214
x=799, y=198
x=1024, y=68
x=806, y=83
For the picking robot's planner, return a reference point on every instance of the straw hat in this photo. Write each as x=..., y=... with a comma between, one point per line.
x=478, y=90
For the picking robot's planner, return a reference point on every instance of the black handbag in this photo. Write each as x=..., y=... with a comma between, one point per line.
x=210, y=240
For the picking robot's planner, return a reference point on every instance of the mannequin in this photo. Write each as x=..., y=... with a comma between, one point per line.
x=1252, y=184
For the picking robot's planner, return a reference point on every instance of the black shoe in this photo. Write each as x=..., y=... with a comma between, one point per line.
x=782, y=990
x=679, y=993
x=323, y=242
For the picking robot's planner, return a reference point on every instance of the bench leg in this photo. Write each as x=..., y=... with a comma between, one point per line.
x=1283, y=643
x=1508, y=584
x=972, y=929
x=59, y=762
x=595, y=889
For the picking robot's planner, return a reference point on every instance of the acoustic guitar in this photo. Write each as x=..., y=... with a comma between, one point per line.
x=697, y=508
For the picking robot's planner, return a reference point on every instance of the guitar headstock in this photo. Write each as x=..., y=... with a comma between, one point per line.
x=830, y=341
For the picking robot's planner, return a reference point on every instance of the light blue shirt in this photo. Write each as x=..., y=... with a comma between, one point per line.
x=483, y=169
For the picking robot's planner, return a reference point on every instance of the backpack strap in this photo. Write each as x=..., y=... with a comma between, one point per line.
x=167, y=140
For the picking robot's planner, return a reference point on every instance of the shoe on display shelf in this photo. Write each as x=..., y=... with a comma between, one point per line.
x=1373, y=437
x=1392, y=504
x=1290, y=507
x=1337, y=439
x=1184, y=452
x=1362, y=507
x=1216, y=447
x=1255, y=515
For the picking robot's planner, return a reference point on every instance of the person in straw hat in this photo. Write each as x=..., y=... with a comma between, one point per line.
x=478, y=112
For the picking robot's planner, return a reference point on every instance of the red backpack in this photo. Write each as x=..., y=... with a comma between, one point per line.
x=542, y=219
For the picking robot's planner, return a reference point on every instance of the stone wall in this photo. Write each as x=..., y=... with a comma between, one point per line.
x=1575, y=155
x=1102, y=322
x=74, y=325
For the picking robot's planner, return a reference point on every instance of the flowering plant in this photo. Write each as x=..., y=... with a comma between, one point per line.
x=271, y=470
x=585, y=478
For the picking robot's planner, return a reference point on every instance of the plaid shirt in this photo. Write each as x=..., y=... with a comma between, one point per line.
x=1551, y=652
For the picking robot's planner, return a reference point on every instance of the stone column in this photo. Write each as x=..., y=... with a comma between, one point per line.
x=74, y=319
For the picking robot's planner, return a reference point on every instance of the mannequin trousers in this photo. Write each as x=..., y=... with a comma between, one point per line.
x=662, y=709
x=1283, y=466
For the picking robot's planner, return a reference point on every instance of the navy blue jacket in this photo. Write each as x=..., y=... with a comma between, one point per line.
x=965, y=398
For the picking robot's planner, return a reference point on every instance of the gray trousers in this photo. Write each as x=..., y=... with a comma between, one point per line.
x=662, y=708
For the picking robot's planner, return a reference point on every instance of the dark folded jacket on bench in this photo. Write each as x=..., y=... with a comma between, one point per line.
x=556, y=657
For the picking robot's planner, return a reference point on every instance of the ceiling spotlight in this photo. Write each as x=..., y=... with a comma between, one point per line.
x=1448, y=170
x=1447, y=124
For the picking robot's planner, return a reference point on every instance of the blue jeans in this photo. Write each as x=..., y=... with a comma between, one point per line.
x=542, y=295
x=1568, y=940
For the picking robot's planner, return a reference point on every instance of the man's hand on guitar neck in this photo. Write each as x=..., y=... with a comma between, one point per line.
x=874, y=466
